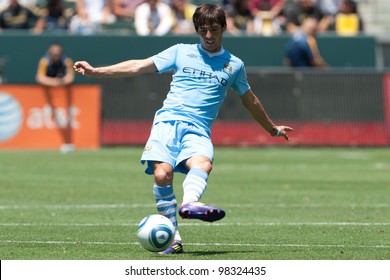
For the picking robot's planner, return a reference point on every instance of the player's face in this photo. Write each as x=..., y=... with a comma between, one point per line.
x=56, y=52
x=211, y=37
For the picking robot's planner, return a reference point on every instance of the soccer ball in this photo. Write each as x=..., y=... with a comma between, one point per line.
x=155, y=233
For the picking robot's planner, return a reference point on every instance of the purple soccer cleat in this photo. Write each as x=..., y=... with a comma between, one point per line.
x=175, y=248
x=201, y=211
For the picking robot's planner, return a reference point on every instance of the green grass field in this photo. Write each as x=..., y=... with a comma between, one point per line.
x=281, y=204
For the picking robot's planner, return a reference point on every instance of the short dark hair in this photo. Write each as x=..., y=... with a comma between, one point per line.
x=208, y=14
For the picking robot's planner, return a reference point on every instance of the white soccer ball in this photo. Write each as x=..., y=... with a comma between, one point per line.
x=155, y=233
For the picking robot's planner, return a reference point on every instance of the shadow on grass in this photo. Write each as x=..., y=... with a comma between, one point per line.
x=218, y=253
x=206, y=253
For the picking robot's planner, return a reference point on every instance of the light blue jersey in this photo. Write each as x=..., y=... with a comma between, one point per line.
x=181, y=128
x=199, y=83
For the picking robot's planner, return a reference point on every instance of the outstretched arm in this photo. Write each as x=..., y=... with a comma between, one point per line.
x=123, y=69
x=256, y=109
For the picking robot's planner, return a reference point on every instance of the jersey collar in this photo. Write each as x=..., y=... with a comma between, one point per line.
x=211, y=54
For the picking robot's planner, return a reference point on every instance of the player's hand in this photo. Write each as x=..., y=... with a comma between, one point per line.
x=83, y=68
x=282, y=130
x=67, y=80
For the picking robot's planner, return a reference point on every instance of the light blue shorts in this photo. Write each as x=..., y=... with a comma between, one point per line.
x=174, y=142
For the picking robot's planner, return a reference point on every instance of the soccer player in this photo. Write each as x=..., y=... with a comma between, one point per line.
x=180, y=136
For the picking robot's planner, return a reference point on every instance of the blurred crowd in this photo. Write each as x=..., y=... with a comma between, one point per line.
x=160, y=17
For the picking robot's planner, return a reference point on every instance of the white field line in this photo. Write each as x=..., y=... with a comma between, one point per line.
x=189, y=224
x=197, y=244
x=131, y=206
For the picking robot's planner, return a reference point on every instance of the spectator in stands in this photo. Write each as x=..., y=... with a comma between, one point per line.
x=16, y=16
x=56, y=70
x=239, y=18
x=328, y=9
x=182, y=14
x=153, y=17
x=90, y=16
x=297, y=11
x=31, y=4
x=302, y=50
x=267, y=14
x=348, y=21
x=36, y=6
x=55, y=19
x=125, y=9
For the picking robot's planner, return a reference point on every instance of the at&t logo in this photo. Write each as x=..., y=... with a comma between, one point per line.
x=11, y=116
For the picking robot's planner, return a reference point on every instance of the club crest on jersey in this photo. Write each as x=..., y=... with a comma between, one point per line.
x=228, y=67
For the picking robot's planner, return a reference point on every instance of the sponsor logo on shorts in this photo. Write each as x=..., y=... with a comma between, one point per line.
x=148, y=149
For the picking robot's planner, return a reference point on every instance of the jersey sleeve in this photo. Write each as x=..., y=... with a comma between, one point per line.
x=69, y=65
x=165, y=60
x=313, y=48
x=241, y=84
x=42, y=66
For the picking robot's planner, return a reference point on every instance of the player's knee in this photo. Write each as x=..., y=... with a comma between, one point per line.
x=163, y=177
x=205, y=165
x=201, y=162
